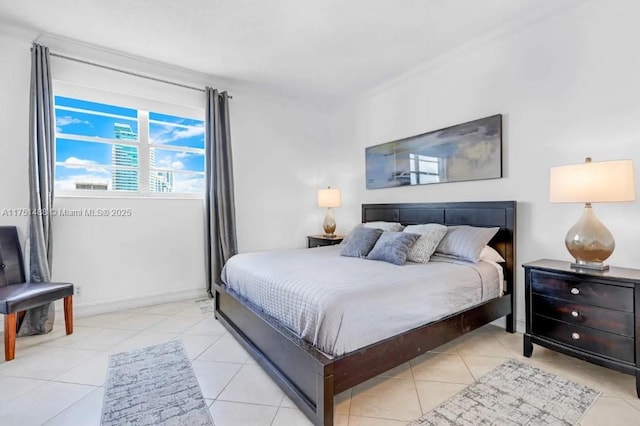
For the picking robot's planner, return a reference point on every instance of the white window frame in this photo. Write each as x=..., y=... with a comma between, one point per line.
x=144, y=145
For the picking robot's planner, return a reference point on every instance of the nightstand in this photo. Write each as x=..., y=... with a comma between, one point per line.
x=321, y=240
x=587, y=314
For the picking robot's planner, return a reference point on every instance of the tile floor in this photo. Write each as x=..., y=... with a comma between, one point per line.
x=58, y=380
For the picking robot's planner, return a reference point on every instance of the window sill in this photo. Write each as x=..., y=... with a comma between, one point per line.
x=124, y=196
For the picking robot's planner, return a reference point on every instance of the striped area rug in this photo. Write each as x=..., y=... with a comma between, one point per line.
x=153, y=386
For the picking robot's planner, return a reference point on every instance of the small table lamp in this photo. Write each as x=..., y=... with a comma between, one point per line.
x=589, y=241
x=329, y=198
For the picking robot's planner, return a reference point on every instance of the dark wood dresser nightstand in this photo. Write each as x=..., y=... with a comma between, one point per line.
x=591, y=315
x=321, y=240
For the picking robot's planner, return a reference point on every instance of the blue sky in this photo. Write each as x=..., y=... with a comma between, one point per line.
x=82, y=160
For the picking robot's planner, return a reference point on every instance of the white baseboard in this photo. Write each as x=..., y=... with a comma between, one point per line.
x=113, y=305
x=520, y=324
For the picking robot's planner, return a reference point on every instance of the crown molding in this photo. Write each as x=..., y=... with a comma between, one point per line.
x=16, y=31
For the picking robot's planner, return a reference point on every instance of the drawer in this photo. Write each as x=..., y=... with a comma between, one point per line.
x=575, y=290
x=586, y=315
x=588, y=339
x=316, y=242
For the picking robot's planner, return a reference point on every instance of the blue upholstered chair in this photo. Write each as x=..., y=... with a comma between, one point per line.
x=17, y=295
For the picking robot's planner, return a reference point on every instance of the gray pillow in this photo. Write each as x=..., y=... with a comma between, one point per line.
x=385, y=226
x=392, y=247
x=348, y=236
x=430, y=236
x=361, y=241
x=465, y=242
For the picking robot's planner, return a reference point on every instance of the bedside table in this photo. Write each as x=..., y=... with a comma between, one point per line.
x=587, y=314
x=321, y=240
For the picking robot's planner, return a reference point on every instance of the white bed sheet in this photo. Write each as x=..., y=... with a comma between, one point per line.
x=340, y=304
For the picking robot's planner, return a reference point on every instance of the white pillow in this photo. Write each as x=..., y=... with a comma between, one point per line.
x=430, y=236
x=385, y=226
x=466, y=242
x=490, y=254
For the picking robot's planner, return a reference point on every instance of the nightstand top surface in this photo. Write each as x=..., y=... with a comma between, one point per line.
x=562, y=266
x=322, y=237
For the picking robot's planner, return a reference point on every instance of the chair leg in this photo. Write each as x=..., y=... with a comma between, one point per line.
x=21, y=315
x=9, y=336
x=68, y=314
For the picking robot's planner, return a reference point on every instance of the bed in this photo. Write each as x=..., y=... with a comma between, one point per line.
x=310, y=376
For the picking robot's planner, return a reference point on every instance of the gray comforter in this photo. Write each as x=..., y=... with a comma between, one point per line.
x=341, y=304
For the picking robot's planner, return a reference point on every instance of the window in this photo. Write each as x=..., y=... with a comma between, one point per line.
x=424, y=169
x=102, y=148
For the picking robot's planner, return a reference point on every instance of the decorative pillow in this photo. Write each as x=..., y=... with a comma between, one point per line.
x=385, y=226
x=466, y=242
x=392, y=247
x=490, y=254
x=346, y=238
x=430, y=236
x=361, y=241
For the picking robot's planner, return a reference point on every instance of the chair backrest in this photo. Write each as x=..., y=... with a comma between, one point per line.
x=11, y=264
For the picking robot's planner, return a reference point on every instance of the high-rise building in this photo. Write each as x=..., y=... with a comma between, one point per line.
x=127, y=155
x=124, y=155
x=153, y=179
x=164, y=181
x=92, y=186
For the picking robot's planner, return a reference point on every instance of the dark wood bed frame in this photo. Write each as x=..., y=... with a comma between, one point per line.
x=310, y=378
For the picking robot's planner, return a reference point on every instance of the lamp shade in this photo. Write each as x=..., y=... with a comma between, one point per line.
x=593, y=182
x=329, y=197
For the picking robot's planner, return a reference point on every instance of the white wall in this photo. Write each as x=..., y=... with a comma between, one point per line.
x=14, y=120
x=567, y=87
x=157, y=253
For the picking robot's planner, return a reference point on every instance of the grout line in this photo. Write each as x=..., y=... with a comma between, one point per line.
x=415, y=387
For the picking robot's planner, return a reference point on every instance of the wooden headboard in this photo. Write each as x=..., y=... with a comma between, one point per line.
x=500, y=214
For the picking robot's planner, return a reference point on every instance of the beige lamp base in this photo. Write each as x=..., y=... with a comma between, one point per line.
x=329, y=225
x=589, y=242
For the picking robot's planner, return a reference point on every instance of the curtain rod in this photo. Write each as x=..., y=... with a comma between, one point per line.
x=107, y=67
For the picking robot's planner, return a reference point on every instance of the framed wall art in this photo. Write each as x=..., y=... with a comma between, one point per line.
x=468, y=151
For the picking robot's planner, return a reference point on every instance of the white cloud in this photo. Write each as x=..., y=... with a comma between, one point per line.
x=177, y=165
x=183, y=154
x=66, y=120
x=79, y=163
x=75, y=161
x=188, y=185
x=171, y=134
x=182, y=133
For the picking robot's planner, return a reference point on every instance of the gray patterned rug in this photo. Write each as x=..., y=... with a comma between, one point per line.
x=514, y=394
x=206, y=305
x=153, y=386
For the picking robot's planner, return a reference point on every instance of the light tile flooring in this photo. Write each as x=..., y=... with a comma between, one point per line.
x=58, y=380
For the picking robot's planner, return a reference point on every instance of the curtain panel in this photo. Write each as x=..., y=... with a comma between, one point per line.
x=220, y=217
x=41, y=166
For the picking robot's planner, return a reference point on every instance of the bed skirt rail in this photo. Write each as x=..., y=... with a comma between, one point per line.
x=312, y=379
x=301, y=371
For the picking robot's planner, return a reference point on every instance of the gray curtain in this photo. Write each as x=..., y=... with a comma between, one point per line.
x=220, y=215
x=41, y=163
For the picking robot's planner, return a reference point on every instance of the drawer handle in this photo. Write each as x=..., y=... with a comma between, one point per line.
x=575, y=314
x=575, y=291
x=575, y=336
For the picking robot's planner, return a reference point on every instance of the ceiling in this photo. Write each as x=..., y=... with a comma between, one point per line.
x=321, y=52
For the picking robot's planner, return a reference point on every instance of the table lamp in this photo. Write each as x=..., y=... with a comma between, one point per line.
x=589, y=241
x=329, y=198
